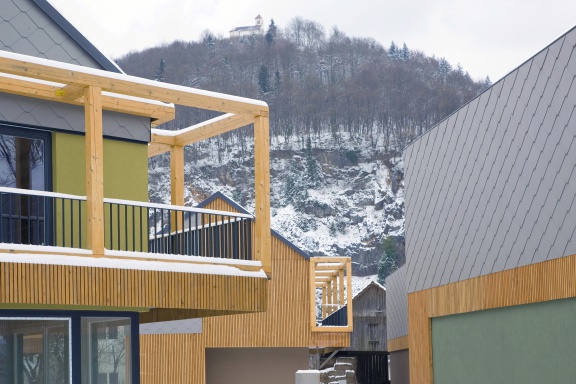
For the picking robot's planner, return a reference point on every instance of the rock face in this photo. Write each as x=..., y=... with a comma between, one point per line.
x=328, y=197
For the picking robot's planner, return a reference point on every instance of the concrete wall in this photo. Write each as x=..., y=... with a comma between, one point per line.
x=254, y=365
x=533, y=343
x=399, y=367
x=492, y=187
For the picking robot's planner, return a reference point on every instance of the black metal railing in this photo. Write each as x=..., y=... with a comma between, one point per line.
x=52, y=219
x=338, y=318
x=41, y=218
x=177, y=230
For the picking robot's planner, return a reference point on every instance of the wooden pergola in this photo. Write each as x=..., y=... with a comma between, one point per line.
x=98, y=90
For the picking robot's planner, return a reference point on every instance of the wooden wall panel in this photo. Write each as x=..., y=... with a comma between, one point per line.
x=171, y=294
x=398, y=344
x=550, y=280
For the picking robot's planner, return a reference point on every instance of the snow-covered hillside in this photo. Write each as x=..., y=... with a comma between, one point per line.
x=330, y=195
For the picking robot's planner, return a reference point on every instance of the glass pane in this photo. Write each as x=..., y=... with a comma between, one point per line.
x=34, y=351
x=21, y=162
x=106, y=350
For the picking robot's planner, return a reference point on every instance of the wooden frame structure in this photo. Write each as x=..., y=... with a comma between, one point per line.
x=329, y=274
x=97, y=90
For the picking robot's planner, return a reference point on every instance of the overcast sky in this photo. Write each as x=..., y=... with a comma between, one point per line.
x=488, y=37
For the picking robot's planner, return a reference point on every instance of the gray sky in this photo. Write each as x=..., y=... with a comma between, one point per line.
x=488, y=37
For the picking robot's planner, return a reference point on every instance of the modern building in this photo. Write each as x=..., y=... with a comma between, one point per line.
x=397, y=326
x=84, y=257
x=257, y=348
x=250, y=30
x=490, y=232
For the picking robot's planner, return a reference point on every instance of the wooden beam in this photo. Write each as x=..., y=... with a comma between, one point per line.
x=211, y=128
x=71, y=92
x=155, y=149
x=335, y=291
x=324, y=302
x=161, y=139
x=262, y=239
x=22, y=65
x=94, y=170
x=330, y=267
x=159, y=113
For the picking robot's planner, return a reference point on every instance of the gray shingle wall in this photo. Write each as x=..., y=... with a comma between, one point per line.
x=397, y=304
x=26, y=29
x=493, y=187
x=25, y=110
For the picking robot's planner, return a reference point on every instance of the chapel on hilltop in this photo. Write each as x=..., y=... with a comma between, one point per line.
x=256, y=29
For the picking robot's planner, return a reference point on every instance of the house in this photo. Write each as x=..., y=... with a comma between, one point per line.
x=257, y=348
x=256, y=29
x=368, y=339
x=490, y=245
x=397, y=326
x=84, y=257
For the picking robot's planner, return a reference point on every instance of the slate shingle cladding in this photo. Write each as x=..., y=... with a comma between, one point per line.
x=492, y=187
x=397, y=304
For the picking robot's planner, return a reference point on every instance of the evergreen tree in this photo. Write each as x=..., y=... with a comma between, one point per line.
x=272, y=32
x=264, y=79
x=487, y=83
x=388, y=263
x=393, y=50
x=405, y=52
x=159, y=75
x=312, y=168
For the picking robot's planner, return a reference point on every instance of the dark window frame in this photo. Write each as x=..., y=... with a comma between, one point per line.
x=76, y=334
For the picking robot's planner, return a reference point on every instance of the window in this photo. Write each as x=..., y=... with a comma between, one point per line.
x=64, y=347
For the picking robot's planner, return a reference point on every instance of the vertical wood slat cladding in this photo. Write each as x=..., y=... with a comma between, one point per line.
x=549, y=280
x=67, y=285
x=286, y=323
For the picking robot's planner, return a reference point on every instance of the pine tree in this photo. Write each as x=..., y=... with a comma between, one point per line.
x=272, y=32
x=405, y=52
x=312, y=169
x=388, y=263
x=159, y=75
x=264, y=79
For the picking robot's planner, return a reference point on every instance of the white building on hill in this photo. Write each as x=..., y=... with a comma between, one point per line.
x=257, y=29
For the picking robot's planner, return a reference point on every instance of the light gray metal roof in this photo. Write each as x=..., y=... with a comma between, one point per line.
x=492, y=187
x=397, y=304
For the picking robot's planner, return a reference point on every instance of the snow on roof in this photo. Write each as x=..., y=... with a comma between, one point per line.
x=131, y=264
x=372, y=283
x=125, y=77
x=163, y=132
x=248, y=28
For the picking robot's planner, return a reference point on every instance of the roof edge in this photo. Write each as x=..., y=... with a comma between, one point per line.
x=77, y=36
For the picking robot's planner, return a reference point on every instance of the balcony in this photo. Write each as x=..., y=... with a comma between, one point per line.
x=58, y=220
x=330, y=278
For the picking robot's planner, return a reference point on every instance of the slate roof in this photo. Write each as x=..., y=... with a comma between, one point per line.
x=239, y=208
x=493, y=186
x=397, y=304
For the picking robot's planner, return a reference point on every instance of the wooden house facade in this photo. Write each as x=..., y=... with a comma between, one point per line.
x=255, y=348
x=84, y=257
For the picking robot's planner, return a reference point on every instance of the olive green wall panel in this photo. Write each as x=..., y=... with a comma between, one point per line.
x=534, y=343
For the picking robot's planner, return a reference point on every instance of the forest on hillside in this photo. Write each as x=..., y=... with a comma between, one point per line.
x=316, y=81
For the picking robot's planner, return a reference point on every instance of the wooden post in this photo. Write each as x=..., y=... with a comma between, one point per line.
x=323, y=302
x=329, y=297
x=334, y=293
x=341, y=286
x=262, y=240
x=94, y=169
x=177, y=184
x=349, y=293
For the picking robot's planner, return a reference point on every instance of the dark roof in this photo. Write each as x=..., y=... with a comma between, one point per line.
x=239, y=208
x=79, y=38
x=248, y=28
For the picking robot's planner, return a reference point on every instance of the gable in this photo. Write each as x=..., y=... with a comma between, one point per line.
x=36, y=28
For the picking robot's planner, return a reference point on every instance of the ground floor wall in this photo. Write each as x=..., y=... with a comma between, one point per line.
x=533, y=343
x=254, y=365
x=545, y=283
x=399, y=367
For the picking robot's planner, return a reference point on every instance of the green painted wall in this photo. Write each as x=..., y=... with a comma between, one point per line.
x=525, y=344
x=125, y=167
x=125, y=177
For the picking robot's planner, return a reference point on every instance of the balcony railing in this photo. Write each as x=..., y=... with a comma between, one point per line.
x=54, y=219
